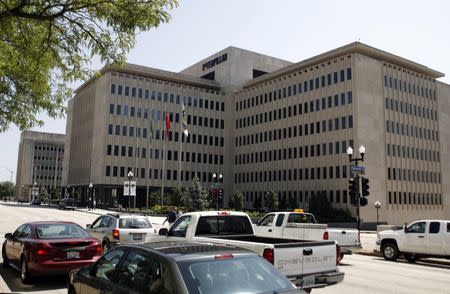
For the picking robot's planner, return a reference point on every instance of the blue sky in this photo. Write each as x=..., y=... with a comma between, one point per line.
x=288, y=29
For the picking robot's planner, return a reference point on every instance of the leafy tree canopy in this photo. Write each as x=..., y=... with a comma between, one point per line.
x=6, y=189
x=196, y=198
x=237, y=201
x=46, y=44
x=271, y=200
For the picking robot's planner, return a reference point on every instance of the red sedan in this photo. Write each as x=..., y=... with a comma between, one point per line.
x=49, y=248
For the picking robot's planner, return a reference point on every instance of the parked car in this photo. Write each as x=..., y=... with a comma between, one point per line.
x=35, y=201
x=49, y=248
x=420, y=239
x=310, y=264
x=303, y=226
x=67, y=203
x=113, y=229
x=179, y=267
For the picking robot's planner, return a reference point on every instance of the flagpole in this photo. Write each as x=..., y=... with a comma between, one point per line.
x=180, y=137
x=147, y=154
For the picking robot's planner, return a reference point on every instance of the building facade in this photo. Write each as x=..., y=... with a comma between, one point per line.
x=271, y=125
x=40, y=163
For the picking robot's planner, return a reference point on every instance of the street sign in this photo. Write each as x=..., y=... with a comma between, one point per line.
x=126, y=188
x=133, y=188
x=360, y=170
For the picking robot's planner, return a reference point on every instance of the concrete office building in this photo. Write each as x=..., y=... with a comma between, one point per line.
x=40, y=163
x=275, y=126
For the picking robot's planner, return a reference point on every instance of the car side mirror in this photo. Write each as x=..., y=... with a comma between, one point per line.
x=163, y=232
x=8, y=236
x=88, y=226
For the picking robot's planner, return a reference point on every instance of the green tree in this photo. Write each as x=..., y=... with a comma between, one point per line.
x=320, y=206
x=271, y=200
x=45, y=45
x=6, y=189
x=196, y=198
x=175, y=198
x=237, y=201
x=155, y=198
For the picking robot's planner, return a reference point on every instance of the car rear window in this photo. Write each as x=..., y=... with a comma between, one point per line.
x=60, y=231
x=250, y=274
x=224, y=225
x=134, y=223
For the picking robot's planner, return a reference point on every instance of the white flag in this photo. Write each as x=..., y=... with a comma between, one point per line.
x=184, y=122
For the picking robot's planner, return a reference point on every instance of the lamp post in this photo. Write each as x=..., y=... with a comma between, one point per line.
x=377, y=205
x=217, y=177
x=91, y=206
x=130, y=176
x=10, y=171
x=362, y=152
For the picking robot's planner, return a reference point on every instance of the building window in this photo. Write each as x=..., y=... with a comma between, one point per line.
x=108, y=171
x=113, y=88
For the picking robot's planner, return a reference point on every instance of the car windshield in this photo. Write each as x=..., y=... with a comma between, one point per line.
x=60, y=231
x=250, y=274
x=134, y=223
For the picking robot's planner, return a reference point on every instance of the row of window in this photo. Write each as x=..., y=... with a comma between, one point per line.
x=289, y=198
x=411, y=131
x=414, y=89
x=408, y=108
x=403, y=174
x=413, y=153
x=292, y=153
x=292, y=110
x=313, y=173
x=50, y=158
x=45, y=167
x=414, y=198
x=312, y=128
x=130, y=151
x=119, y=130
x=167, y=97
x=41, y=177
x=305, y=86
x=48, y=148
x=157, y=174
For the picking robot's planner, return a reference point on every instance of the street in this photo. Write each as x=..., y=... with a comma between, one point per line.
x=363, y=274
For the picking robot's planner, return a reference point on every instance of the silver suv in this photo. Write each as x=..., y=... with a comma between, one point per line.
x=114, y=229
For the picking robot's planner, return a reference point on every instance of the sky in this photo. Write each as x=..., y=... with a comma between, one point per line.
x=288, y=29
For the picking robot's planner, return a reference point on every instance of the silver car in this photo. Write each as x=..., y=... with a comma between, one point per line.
x=114, y=229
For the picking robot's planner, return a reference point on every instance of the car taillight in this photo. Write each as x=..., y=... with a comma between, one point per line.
x=223, y=256
x=325, y=235
x=41, y=252
x=98, y=249
x=41, y=249
x=116, y=234
x=338, y=254
x=268, y=255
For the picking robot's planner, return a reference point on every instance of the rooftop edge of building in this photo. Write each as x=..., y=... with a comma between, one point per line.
x=153, y=73
x=355, y=47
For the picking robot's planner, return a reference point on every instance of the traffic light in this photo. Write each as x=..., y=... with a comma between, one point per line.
x=365, y=187
x=353, y=188
x=363, y=201
x=220, y=193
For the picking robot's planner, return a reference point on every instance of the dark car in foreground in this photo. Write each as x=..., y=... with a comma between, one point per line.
x=68, y=203
x=179, y=267
x=49, y=248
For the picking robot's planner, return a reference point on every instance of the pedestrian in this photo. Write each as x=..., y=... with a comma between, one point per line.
x=171, y=216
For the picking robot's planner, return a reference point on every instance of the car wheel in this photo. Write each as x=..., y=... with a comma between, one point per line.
x=390, y=251
x=412, y=258
x=5, y=258
x=72, y=290
x=105, y=247
x=25, y=275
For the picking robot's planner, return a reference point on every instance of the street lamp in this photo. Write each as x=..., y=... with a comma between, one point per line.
x=130, y=176
x=377, y=205
x=362, y=152
x=217, y=177
x=90, y=196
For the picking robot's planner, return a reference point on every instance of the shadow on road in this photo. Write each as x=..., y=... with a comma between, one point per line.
x=434, y=263
x=12, y=279
x=9, y=204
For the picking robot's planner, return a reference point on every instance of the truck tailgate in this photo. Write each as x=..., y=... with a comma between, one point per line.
x=344, y=237
x=308, y=258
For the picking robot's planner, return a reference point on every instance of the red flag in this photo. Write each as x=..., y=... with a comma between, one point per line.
x=167, y=125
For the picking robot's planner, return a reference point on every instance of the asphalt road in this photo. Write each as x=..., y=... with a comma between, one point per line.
x=363, y=274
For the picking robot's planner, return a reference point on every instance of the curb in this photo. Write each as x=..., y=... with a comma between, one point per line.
x=426, y=260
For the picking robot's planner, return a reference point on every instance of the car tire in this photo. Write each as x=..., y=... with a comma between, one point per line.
x=389, y=251
x=72, y=290
x=105, y=247
x=25, y=275
x=411, y=258
x=5, y=258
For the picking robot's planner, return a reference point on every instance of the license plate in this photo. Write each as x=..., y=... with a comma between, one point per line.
x=137, y=236
x=73, y=254
x=308, y=281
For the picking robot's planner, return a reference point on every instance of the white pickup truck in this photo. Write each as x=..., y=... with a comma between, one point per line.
x=307, y=264
x=303, y=226
x=420, y=239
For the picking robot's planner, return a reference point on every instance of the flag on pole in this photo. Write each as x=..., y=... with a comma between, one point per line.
x=167, y=125
x=184, y=122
